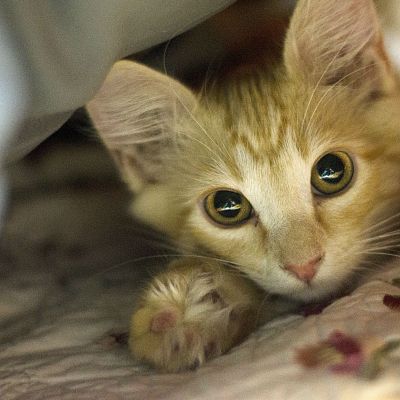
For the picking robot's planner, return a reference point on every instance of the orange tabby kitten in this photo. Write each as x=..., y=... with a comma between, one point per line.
x=284, y=180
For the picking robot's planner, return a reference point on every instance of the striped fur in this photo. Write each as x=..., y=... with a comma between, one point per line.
x=258, y=132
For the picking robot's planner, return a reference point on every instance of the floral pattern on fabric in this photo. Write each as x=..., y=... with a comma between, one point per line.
x=393, y=302
x=343, y=354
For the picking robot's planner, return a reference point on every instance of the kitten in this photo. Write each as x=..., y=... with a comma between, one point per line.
x=285, y=181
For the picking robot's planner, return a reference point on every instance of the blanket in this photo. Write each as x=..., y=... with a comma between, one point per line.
x=72, y=263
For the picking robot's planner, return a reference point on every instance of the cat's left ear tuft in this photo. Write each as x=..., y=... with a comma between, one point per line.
x=338, y=42
x=136, y=112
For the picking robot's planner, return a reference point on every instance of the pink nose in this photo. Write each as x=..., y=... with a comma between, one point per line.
x=305, y=272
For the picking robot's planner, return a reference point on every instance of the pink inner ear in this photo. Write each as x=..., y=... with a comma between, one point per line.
x=135, y=113
x=129, y=162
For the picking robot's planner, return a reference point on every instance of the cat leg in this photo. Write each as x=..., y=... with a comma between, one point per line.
x=192, y=312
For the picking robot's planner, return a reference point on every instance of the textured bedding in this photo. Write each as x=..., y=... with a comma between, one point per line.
x=71, y=265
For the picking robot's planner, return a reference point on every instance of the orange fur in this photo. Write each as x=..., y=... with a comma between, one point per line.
x=260, y=134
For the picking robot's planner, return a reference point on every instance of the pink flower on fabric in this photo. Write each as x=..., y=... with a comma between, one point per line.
x=351, y=351
x=340, y=353
x=391, y=301
x=343, y=354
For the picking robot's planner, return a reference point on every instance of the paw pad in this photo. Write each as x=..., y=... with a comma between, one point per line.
x=163, y=321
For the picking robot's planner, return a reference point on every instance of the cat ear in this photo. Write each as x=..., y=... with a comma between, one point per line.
x=135, y=113
x=338, y=42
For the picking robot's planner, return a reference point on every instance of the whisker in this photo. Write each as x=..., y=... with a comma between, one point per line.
x=387, y=239
x=368, y=266
x=382, y=222
x=317, y=85
x=329, y=89
x=168, y=256
x=186, y=108
x=261, y=307
x=379, y=253
x=206, y=82
x=384, y=244
x=132, y=261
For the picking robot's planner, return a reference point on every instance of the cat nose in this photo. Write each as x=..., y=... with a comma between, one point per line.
x=305, y=272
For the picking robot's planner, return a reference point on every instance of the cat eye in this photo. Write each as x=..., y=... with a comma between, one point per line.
x=227, y=208
x=332, y=173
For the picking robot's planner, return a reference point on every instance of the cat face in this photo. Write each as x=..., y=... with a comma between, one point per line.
x=285, y=177
x=293, y=237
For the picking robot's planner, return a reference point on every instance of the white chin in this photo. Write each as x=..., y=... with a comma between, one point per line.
x=307, y=293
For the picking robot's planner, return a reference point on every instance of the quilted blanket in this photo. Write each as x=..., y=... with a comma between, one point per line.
x=71, y=265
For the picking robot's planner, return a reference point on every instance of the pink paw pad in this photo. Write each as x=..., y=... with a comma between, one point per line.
x=163, y=321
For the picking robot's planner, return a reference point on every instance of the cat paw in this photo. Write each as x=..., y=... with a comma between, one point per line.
x=183, y=322
x=173, y=344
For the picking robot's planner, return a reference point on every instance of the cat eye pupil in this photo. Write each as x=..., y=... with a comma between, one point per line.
x=228, y=204
x=332, y=173
x=330, y=169
x=227, y=207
